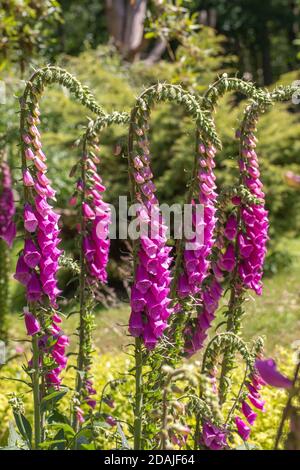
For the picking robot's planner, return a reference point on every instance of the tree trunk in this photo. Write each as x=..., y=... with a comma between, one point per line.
x=208, y=17
x=126, y=25
x=266, y=56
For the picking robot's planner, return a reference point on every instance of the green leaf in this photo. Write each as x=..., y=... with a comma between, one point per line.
x=90, y=446
x=50, y=400
x=150, y=35
x=59, y=440
x=24, y=427
x=48, y=445
x=68, y=430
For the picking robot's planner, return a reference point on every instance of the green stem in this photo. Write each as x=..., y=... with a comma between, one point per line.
x=138, y=394
x=138, y=342
x=80, y=357
x=197, y=428
x=36, y=392
x=164, y=439
x=226, y=362
x=230, y=326
x=237, y=400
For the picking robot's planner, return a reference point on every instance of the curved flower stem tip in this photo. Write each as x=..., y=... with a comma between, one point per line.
x=53, y=74
x=226, y=84
x=176, y=94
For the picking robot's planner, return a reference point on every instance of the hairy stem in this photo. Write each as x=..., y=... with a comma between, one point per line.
x=138, y=394
x=82, y=282
x=36, y=392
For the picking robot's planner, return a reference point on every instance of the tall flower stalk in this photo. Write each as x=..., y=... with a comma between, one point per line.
x=94, y=253
x=150, y=294
x=38, y=262
x=249, y=249
x=37, y=265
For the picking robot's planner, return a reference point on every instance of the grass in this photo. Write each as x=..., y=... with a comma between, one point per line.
x=276, y=314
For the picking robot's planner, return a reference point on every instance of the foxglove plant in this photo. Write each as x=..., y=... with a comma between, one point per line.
x=7, y=236
x=94, y=228
x=248, y=252
x=37, y=265
x=38, y=262
x=241, y=415
x=95, y=219
x=149, y=294
x=7, y=206
x=151, y=290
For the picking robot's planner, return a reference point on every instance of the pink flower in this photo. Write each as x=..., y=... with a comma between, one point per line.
x=231, y=228
x=40, y=165
x=87, y=211
x=111, y=421
x=73, y=201
x=30, y=220
x=248, y=413
x=256, y=402
x=31, y=322
x=7, y=206
x=27, y=178
x=91, y=403
x=243, y=429
x=34, y=290
x=9, y=233
x=32, y=256
x=22, y=271
x=227, y=261
x=268, y=371
x=53, y=378
x=213, y=438
x=29, y=154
